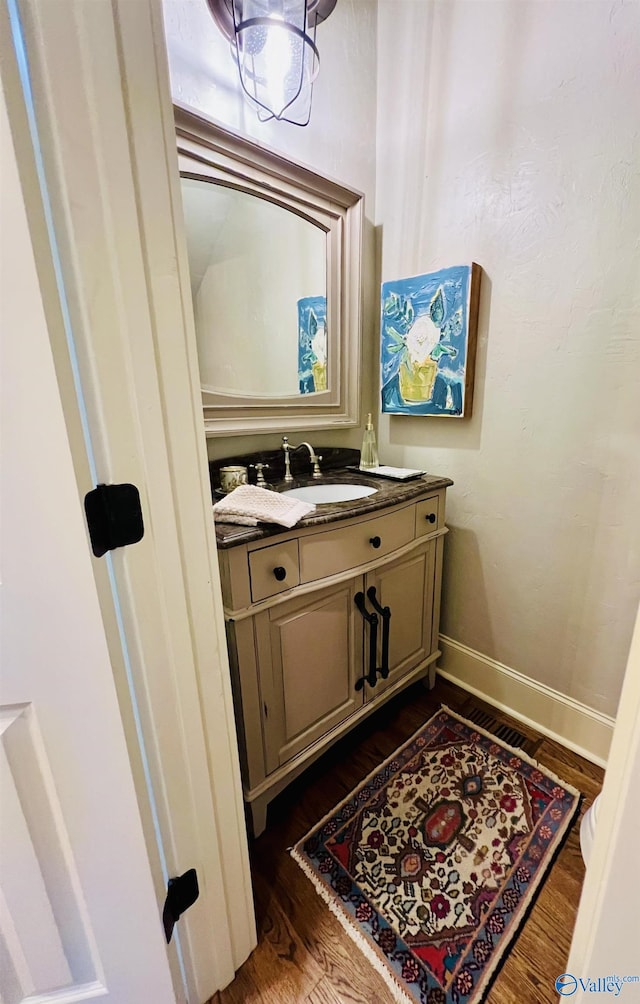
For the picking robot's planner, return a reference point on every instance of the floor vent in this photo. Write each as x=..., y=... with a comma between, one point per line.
x=508, y=734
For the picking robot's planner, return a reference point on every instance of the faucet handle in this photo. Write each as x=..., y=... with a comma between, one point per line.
x=317, y=473
x=259, y=468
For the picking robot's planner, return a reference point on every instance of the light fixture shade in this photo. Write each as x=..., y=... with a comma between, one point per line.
x=277, y=59
x=274, y=45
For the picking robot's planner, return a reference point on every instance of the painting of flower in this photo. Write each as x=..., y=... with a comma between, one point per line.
x=428, y=338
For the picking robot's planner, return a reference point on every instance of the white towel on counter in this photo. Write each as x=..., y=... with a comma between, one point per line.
x=250, y=505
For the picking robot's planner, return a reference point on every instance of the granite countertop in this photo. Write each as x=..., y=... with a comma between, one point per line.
x=388, y=493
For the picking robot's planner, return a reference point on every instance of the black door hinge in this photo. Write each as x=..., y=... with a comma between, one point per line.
x=114, y=517
x=182, y=892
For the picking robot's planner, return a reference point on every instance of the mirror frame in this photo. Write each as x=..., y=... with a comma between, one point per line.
x=209, y=151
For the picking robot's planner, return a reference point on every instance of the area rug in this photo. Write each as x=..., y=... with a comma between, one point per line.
x=432, y=863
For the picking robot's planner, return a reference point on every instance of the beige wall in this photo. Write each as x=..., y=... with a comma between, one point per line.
x=508, y=134
x=339, y=140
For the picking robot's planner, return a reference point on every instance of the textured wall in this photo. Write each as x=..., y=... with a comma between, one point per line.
x=509, y=134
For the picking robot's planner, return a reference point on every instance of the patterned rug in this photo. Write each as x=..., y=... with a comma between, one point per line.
x=433, y=862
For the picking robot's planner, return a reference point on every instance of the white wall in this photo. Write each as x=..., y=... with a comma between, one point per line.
x=508, y=134
x=339, y=140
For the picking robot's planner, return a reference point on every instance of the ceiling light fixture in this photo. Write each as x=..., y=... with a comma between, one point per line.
x=274, y=45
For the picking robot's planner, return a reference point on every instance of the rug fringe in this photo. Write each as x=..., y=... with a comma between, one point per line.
x=399, y=994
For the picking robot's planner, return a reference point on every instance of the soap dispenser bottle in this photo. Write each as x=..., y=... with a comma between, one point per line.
x=369, y=452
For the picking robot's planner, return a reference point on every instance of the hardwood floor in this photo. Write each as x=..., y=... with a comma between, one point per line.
x=305, y=957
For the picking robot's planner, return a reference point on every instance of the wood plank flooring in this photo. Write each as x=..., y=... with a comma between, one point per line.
x=304, y=956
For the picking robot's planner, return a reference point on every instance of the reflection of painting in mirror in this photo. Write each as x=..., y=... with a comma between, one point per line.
x=251, y=262
x=312, y=344
x=428, y=342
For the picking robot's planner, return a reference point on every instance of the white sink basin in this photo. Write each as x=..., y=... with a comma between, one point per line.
x=324, y=494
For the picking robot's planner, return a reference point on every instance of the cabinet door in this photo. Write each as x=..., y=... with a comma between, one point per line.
x=309, y=656
x=405, y=586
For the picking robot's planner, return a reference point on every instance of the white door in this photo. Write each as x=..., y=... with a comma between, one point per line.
x=89, y=106
x=78, y=913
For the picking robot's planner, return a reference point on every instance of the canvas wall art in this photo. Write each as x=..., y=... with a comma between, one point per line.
x=312, y=344
x=428, y=342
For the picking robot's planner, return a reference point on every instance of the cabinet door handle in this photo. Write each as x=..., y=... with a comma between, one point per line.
x=375, y=541
x=280, y=573
x=431, y=517
x=372, y=619
x=385, y=613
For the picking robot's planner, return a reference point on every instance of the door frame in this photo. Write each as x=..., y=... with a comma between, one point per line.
x=606, y=931
x=99, y=172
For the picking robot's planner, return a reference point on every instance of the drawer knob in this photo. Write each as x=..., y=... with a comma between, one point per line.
x=375, y=541
x=280, y=573
x=430, y=517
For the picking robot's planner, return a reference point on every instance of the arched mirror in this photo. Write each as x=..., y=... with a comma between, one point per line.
x=274, y=263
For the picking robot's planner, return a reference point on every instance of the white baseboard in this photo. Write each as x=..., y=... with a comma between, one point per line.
x=576, y=726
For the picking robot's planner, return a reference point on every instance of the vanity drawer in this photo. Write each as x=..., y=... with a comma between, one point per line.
x=334, y=551
x=273, y=569
x=427, y=516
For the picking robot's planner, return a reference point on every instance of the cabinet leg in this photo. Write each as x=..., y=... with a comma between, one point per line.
x=258, y=814
x=429, y=681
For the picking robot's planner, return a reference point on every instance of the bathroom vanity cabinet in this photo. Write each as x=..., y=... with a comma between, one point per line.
x=326, y=622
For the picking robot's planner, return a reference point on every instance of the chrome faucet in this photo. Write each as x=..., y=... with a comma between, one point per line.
x=315, y=460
